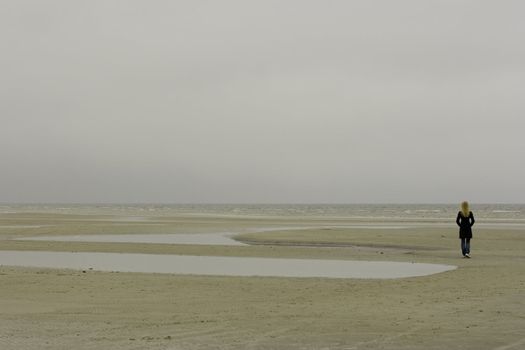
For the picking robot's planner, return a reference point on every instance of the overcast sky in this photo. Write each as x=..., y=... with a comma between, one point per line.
x=288, y=101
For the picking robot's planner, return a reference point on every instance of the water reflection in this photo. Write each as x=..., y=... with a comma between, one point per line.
x=210, y=238
x=165, y=238
x=220, y=266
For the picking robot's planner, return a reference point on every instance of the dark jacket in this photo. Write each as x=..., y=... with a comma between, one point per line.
x=465, y=224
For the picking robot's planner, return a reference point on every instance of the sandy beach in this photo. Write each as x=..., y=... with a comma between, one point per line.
x=480, y=305
x=262, y=175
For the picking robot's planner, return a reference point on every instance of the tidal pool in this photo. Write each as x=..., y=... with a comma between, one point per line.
x=162, y=238
x=219, y=266
x=210, y=238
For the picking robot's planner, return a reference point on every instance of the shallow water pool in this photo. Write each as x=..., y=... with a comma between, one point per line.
x=162, y=238
x=220, y=266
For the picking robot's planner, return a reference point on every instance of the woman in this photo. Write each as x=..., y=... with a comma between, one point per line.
x=465, y=221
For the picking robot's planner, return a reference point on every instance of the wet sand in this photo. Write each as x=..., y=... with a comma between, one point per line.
x=480, y=305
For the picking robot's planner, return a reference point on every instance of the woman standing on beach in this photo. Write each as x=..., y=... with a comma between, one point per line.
x=465, y=221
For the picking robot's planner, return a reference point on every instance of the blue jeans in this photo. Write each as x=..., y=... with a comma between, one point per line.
x=465, y=246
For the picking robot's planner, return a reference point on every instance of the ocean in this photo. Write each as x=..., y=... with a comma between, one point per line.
x=438, y=212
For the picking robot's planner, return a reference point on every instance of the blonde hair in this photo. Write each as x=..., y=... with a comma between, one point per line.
x=465, y=209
